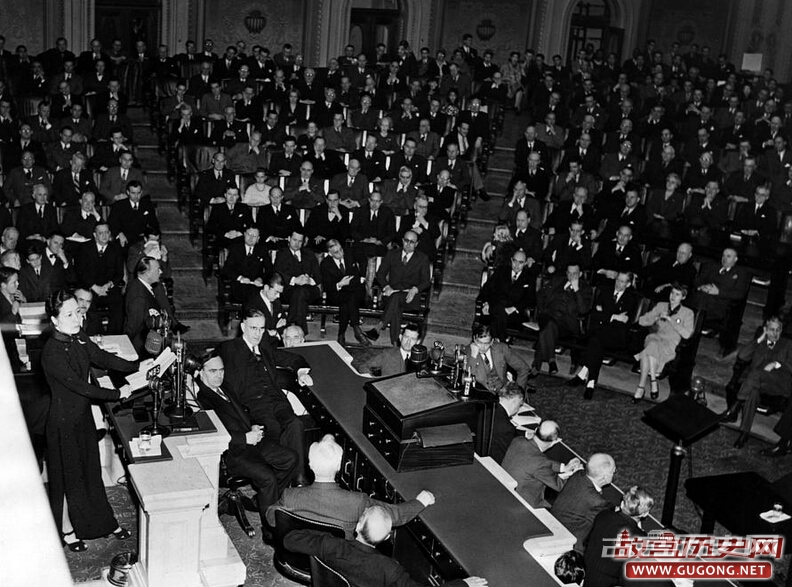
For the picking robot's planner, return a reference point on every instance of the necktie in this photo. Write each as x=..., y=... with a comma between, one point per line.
x=486, y=361
x=615, y=297
x=514, y=277
x=373, y=216
x=770, y=345
x=404, y=259
x=249, y=251
x=134, y=206
x=76, y=179
x=101, y=251
x=123, y=174
x=218, y=175
x=619, y=250
x=351, y=181
x=256, y=353
x=341, y=266
x=722, y=271
x=38, y=274
x=29, y=173
x=297, y=256
x=41, y=212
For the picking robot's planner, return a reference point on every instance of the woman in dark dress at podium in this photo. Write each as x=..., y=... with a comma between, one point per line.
x=77, y=494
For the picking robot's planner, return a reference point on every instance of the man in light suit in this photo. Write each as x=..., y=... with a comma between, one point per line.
x=324, y=501
x=491, y=360
x=769, y=359
x=427, y=143
x=114, y=180
x=393, y=360
x=581, y=499
x=403, y=275
x=352, y=186
x=526, y=462
x=342, y=282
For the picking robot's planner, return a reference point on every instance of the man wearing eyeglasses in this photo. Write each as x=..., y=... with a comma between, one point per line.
x=425, y=225
x=399, y=194
x=403, y=275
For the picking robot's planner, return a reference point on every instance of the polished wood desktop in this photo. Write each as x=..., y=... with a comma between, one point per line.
x=477, y=526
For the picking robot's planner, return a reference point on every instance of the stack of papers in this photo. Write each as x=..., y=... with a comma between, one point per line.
x=34, y=318
x=140, y=379
x=154, y=451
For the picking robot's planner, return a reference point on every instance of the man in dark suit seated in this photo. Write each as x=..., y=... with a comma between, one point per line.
x=99, y=266
x=426, y=226
x=769, y=360
x=613, y=313
x=326, y=163
x=399, y=194
x=613, y=258
x=213, y=182
x=229, y=131
x=569, y=247
x=521, y=199
x=230, y=219
x=741, y=185
x=37, y=220
x=565, y=214
x=407, y=157
x=427, y=143
x=403, y=275
x=324, y=501
x=393, y=360
x=358, y=560
x=300, y=272
x=633, y=215
x=79, y=223
x=658, y=277
x=719, y=290
x=508, y=294
x=277, y=220
x=107, y=121
x=757, y=219
x=245, y=266
x=267, y=301
x=561, y=303
x=20, y=180
x=130, y=217
x=35, y=277
x=352, y=186
x=286, y=163
x=343, y=280
x=581, y=499
x=145, y=298
x=304, y=190
x=372, y=161
x=253, y=452
x=527, y=464
x=56, y=263
x=373, y=228
x=116, y=176
x=327, y=221
x=491, y=361
x=708, y=211
x=71, y=182
x=510, y=399
x=251, y=365
x=60, y=152
x=339, y=138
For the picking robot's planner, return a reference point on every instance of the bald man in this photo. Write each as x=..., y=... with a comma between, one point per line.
x=358, y=560
x=526, y=462
x=581, y=499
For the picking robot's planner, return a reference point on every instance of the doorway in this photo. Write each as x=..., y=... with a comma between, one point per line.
x=591, y=26
x=130, y=21
x=370, y=27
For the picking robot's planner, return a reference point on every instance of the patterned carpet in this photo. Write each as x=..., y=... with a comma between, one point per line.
x=610, y=423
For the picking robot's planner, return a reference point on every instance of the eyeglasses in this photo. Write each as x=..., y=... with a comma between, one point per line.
x=409, y=241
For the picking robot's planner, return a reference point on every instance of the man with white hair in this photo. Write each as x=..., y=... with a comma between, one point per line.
x=325, y=501
x=581, y=499
x=358, y=560
x=526, y=462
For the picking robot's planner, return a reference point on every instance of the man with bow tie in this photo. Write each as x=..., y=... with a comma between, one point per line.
x=252, y=451
x=720, y=291
x=768, y=362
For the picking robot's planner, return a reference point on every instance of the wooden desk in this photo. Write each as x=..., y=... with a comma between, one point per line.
x=477, y=527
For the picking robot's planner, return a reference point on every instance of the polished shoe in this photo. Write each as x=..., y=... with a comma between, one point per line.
x=639, y=394
x=575, y=382
x=733, y=413
x=552, y=368
x=588, y=393
x=361, y=337
x=779, y=450
x=372, y=334
x=121, y=533
x=180, y=328
x=74, y=544
x=741, y=440
x=654, y=391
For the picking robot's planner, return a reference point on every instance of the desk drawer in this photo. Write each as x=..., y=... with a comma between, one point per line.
x=379, y=435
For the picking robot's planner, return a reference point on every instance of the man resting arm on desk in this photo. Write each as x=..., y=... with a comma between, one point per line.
x=358, y=560
x=325, y=501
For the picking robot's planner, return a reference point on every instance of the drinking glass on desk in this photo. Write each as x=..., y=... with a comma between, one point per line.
x=144, y=441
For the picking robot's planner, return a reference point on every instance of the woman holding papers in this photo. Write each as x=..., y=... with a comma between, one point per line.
x=77, y=495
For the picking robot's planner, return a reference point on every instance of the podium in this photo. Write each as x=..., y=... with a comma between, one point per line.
x=181, y=539
x=683, y=421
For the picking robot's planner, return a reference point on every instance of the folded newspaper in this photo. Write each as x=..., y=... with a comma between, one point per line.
x=140, y=379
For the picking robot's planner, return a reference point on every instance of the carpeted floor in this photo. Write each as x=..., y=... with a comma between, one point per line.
x=610, y=423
